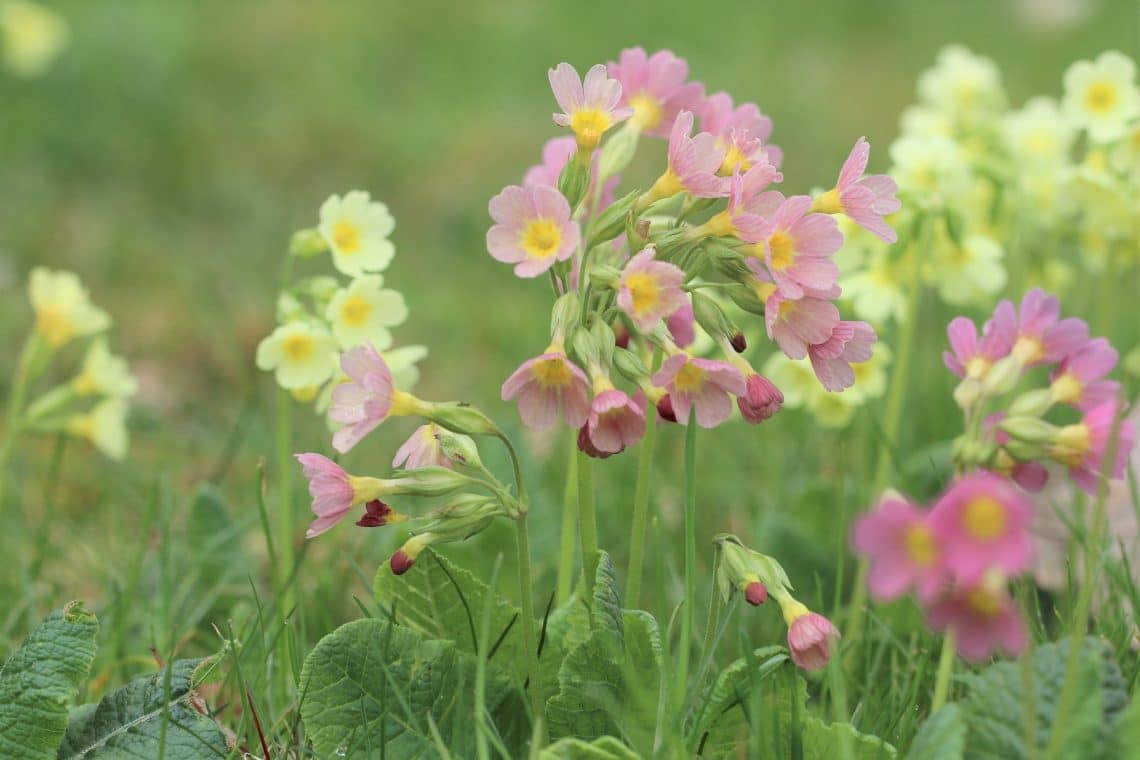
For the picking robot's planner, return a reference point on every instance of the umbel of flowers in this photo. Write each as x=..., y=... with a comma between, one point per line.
x=93, y=404
x=1046, y=188
x=646, y=286
x=1028, y=364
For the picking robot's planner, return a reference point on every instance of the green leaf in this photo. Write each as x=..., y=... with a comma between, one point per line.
x=370, y=684
x=745, y=701
x=41, y=678
x=734, y=684
x=826, y=742
x=161, y=710
x=995, y=716
x=942, y=736
x=605, y=748
x=609, y=681
x=1126, y=730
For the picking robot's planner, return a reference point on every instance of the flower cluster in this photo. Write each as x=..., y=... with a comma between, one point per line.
x=92, y=405
x=812, y=638
x=647, y=284
x=957, y=558
x=1016, y=439
x=319, y=317
x=992, y=182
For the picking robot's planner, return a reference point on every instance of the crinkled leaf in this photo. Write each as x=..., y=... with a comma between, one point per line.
x=995, y=717
x=733, y=685
x=605, y=748
x=41, y=678
x=747, y=702
x=146, y=714
x=942, y=736
x=826, y=742
x=370, y=684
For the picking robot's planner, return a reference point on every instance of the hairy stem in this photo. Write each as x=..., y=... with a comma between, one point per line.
x=690, y=507
x=640, y=522
x=522, y=545
x=587, y=520
x=569, y=526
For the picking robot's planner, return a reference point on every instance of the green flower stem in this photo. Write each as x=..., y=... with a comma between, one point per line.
x=685, y=645
x=714, y=616
x=587, y=520
x=569, y=526
x=640, y=513
x=20, y=380
x=945, y=670
x=522, y=546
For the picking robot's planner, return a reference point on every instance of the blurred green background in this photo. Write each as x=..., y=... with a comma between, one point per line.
x=175, y=146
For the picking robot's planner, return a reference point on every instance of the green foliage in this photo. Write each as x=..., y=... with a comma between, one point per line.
x=827, y=742
x=610, y=680
x=941, y=737
x=160, y=715
x=41, y=678
x=605, y=748
x=371, y=684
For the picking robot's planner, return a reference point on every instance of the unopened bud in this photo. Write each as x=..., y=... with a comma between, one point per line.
x=462, y=418
x=968, y=393
x=307, y=243
x=575, y=178
x=564, y=315
x=739, y=343
x=407, y=554
x=756, y=593
x=665, y=409
x=1032, y=404
x=1028, y=429
x=611, y=222
x=761, y=399
x=630, y=365
x=458, y=448
x=1002, y=377
x=429, y=481
x=617, y=152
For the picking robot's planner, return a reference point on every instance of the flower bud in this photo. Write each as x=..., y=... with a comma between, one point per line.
x=307, y=243
x=575, y=178
x=617, y=152
x=587, y=447
x=458, y=448
x=739, y=343
x=460, y=417
x=630, y=365
x=1002, y=377
x=756, y=593
x=407, y=554
x=605, y=276
x=711, y=317
x=1028, y=429
x=564, y=316
x=665, y=409
x=1031, y=404
x=968, y=393
x=761, y=399
x=611, y=222
x=428, y=481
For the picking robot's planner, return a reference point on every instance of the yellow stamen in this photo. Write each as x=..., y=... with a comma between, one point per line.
x=1101, y=97
x=346, y=235
x=644, y=291
x=355, y=311
x=920, y=546
x=783, y=248
x=589, y=124
x=984, y=518
x=733, y=159
x=298, y=348
x=1028, y=349
x=646, y=111
x=541, y=239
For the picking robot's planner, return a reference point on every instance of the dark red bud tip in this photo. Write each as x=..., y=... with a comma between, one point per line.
x=756, y=593
x=739, y=343
x=665, y=409
x=621, y=336
x=401, y=562
x=587, y=447
x=376, y=513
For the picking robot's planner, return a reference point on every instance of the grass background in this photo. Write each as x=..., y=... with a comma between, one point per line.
x=175, y=146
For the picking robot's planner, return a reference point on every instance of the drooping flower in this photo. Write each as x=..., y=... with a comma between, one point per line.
x=406, y=556
x=589, y=106
x=1084, y=446
x=556, y=153
x=1077, y=379
x=812, y=638
x=761, y=398
x=104, y=374
x=63, y=309
x=616, y=421
x=104, y=426
x=682, y=325
x=335, y=492
x=422, y=449
x=798, y=248
x=363, y=312
x=984, y=619
x=1101, y=96
x=547, y=383
x=749, y=207
x=654, y=87
x=703, y=385
x=983, y=523
x=902, y=549
x=850, y=343
x=692, y=167
x=301, y=355
x=356, y=229
x=367, y=398
x=532, y=230
x=865, y=199
x=650, y=290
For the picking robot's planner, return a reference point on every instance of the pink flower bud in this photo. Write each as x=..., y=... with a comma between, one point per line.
x=761, y=399
x=587, y=447
x=812, y=639
x=401, y=562
x=739, y=343
x=756, y=593
x=665, y=409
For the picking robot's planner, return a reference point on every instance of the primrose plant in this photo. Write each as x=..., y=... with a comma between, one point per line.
x=653, y=290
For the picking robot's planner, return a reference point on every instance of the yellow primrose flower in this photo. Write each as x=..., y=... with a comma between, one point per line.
x=105, y=426
x=356, y=229
x=966, y=271
x=876, y=292
x=795, y=379
x=1125, y=155
x=965, y=86
x=921, y=121
x=833, y=410
x=363, y=312
x=31, y=36
x=104, y=374
x=931, y=170
x=1038, y=134
x=301, y=355
x=1101, y=96
x=63, y=309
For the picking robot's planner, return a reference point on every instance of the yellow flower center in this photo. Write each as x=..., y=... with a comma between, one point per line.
x=1028, y=349
x=733, y=159
x=690, y=378
x=783, y=248
x=1067, y=389
x=54, y=325
x=551, y=373
x=984, y=518
x=977, y=367
x=541, y=239
x=589, y=124
x=920, y=546
x=298, y=348
x=355, y=311
x=1071, y=444
x=719, y=225
x=1101, y=97
x=646, y=111
x=763, y=290
x=828, y=203
x=346, y=235
x=983, y=601
x=644, y=291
